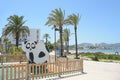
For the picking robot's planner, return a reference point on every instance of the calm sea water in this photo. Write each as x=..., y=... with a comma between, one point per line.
x=103, y=51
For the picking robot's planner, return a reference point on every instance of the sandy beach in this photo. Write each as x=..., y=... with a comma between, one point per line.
x=98, y=71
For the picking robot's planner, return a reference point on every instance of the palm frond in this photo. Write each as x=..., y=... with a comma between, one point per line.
x=16, y=27
x=73, y=19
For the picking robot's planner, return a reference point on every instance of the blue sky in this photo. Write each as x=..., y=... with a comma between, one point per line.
x=100, y=20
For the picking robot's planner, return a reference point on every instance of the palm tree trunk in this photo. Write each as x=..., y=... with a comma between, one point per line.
x=61, y=41
x=17, y=40
x=67, y=44
x=76, y=43
x=46, y=41
x=6, y=47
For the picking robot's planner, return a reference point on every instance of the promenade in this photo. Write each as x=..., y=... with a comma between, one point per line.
x=97, y=71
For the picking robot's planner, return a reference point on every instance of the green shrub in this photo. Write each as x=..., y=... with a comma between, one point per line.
x=95, y=58
x=15, y=51
x=99, y=55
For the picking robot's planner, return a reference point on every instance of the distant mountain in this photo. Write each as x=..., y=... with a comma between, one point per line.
x=97, y=46
x=109, y=46
x=85, y=44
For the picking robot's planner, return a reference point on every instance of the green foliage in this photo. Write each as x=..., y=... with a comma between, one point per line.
x=98, y=55
x=46, y=37
x=57, y=18
x=50, y=46
x=16, y=51
x=5, y=40
x=16, y=26
x=74, y=19
x=95, y=58
x=66, y=34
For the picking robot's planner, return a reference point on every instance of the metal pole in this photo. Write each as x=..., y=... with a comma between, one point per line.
x=55, y=43
x=56, y=29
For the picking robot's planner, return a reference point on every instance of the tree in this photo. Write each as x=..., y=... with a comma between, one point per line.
x=0, y=40
x=46, y=36
x=66, y=36
x=57, y=18
x=1, y=45
x=5, y=40
x=58, y=43
x=16, y=27
x=74, y=19
x=50, y=45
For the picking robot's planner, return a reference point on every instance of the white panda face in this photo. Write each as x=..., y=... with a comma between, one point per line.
x=35, y=52
x=29, y=46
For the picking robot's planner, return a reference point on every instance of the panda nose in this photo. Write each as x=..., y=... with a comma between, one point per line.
x=30, y=49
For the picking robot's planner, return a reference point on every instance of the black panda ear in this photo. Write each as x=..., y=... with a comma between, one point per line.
x=25, y=42
x=35, y=42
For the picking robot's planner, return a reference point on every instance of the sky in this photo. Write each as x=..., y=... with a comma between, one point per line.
x=100, y=19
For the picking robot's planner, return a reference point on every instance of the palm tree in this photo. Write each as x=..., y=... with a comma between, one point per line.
x=46, y=36
x=16, y=27
x=74, y=20
x=57, y=18
x=1, y=45
x=66, y=36
x=0, y=39
x=5, y=40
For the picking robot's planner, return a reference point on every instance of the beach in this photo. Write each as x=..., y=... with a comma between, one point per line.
x=97, y=71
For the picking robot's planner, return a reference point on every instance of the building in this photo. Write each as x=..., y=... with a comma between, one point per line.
x=33, y=36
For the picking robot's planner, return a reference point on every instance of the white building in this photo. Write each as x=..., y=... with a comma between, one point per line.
x=33, y=36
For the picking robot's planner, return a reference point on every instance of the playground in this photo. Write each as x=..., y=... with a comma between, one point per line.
x=25, y=71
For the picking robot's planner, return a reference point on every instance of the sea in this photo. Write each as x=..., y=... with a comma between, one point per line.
x=117, y=51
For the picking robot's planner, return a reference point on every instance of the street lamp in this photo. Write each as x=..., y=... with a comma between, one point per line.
x=56, y=29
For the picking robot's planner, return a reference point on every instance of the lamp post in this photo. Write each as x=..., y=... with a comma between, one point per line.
x=56, y=29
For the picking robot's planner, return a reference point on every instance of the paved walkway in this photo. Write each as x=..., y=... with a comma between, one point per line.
x=97, y=71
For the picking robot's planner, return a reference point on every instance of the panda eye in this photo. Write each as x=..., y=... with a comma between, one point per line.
x=28, y=45
x=33, y=45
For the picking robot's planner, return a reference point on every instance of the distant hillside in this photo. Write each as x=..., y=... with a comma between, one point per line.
x=97, y=46
x=85, y=44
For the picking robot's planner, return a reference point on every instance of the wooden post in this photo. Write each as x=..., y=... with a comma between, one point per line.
x=27, y=71
x=22, y=70
x=6, y=72
x=11, y=72
x=2, y=72
x=67, y=63
x=59, y=69
x=19, y=71
x=14, y=71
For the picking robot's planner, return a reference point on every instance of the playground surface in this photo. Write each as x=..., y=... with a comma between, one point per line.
x=97, y=71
